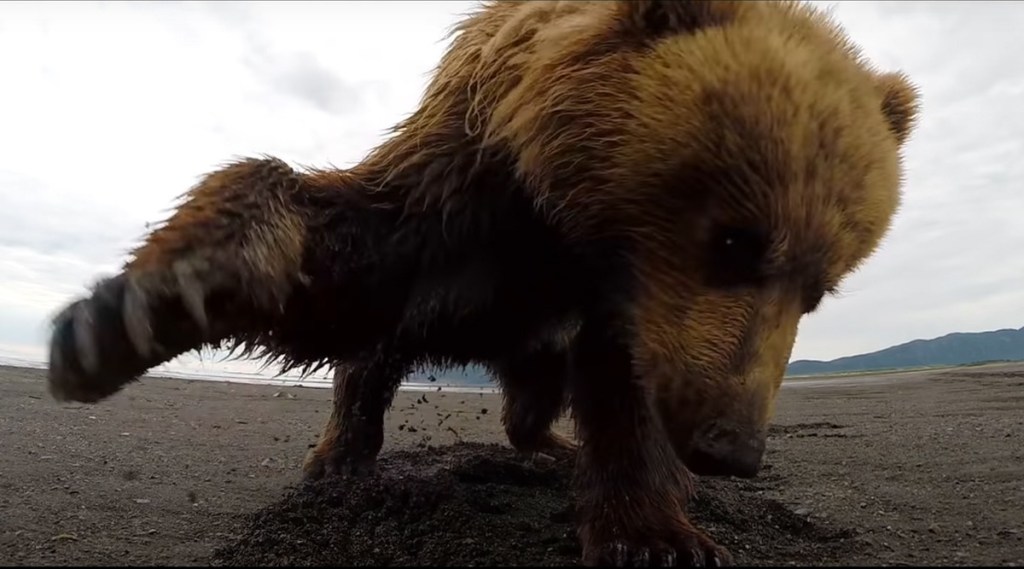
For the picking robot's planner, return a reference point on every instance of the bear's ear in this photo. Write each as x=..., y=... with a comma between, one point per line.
x=900, y=104
x=656, y=18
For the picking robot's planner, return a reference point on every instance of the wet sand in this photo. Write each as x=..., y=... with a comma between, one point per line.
x=920, y=468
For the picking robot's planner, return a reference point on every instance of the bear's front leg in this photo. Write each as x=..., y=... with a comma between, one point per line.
x=222, y=266
x=354, y=434
x=632, y=490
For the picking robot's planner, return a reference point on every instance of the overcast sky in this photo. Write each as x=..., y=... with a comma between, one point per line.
x=109, y=111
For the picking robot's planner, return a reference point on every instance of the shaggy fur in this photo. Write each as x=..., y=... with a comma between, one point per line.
x=624, y=207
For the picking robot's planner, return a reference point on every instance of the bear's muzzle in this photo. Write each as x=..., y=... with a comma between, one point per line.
x=725, y=449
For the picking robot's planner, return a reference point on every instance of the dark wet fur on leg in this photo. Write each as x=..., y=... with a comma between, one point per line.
x=534, y=393
x=633, y=489
x=354, y=433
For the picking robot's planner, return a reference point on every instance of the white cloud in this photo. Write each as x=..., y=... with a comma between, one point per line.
x=111, y=110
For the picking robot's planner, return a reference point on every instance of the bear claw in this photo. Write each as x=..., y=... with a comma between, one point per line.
x=77, y=348
x=135, y=313
x=621, y=555
x=131, y=322
x=192, y=294
x=105, y=340
x=690, y=549
x=319, y=466
x=82, y=323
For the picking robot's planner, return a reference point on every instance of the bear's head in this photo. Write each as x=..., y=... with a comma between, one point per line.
x=771, y=162
x=749, y=159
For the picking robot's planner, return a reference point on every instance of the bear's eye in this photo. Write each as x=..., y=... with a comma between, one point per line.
x=736, y=256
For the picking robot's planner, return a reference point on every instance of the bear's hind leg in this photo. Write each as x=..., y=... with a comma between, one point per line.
x=354, y=433
x=534, y=396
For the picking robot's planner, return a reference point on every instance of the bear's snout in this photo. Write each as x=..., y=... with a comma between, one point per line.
x=722, y=448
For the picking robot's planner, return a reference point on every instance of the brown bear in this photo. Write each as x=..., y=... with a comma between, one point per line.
x=623, y=207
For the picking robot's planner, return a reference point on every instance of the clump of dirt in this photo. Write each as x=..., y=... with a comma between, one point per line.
x=473, y=504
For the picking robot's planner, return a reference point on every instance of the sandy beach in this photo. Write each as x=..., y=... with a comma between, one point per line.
x=921, y=468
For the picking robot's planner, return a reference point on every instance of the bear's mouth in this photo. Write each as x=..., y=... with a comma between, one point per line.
x=723, y=448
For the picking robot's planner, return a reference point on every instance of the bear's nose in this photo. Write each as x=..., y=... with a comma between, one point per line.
x=725, y=449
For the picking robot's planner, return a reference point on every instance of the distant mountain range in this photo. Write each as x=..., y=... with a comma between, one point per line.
x=958, y=348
